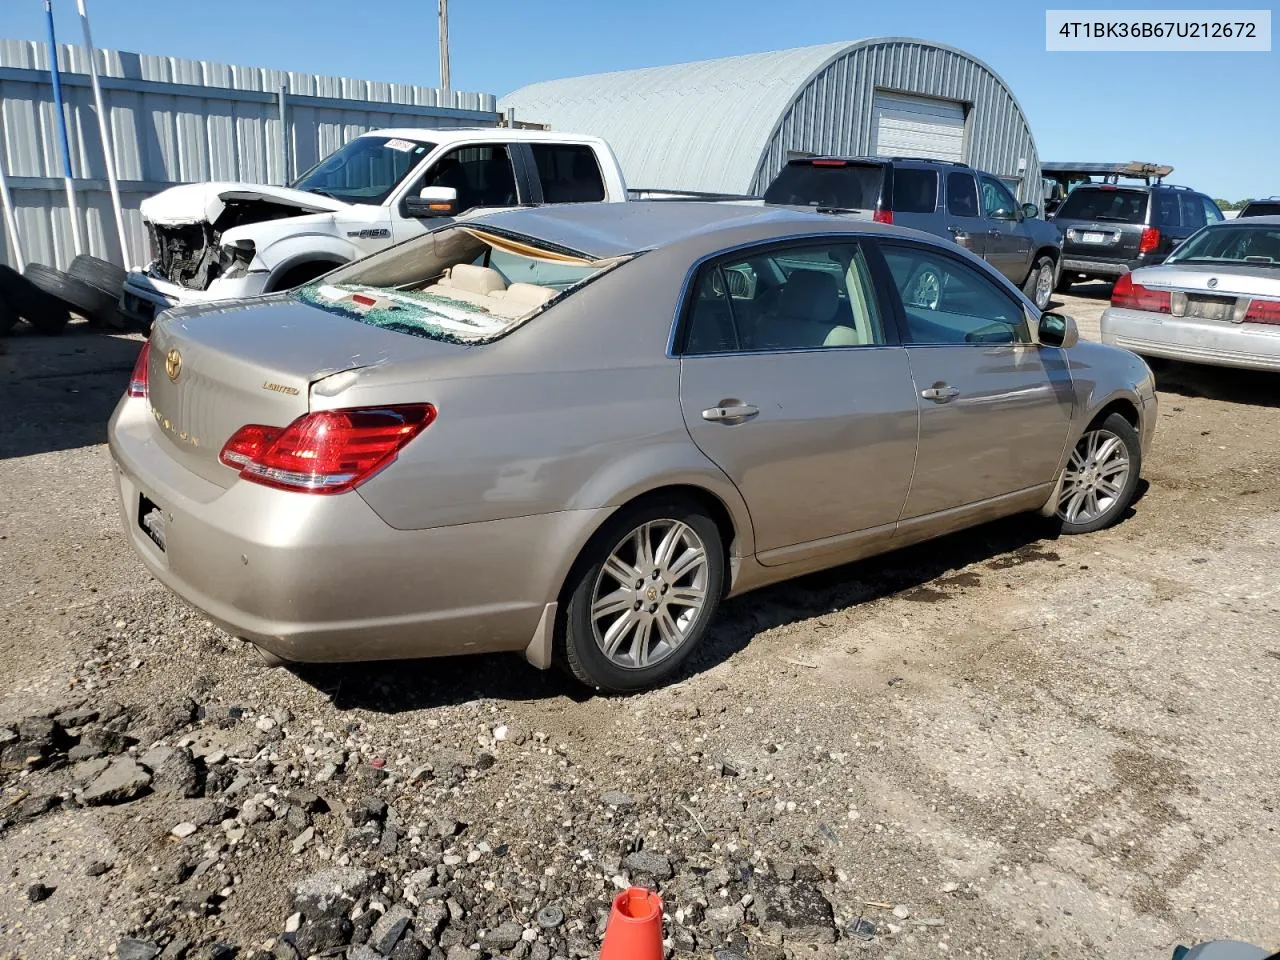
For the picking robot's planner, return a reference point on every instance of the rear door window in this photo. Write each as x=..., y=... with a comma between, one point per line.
x=962, y=195
x=1112, y=205
x=837, y=184
x=1192, y=210
x=568, y=172
x=1167, y=214
x=915, y=191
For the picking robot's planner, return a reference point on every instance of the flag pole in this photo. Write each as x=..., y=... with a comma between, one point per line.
x=72, y=210
x=104, y=130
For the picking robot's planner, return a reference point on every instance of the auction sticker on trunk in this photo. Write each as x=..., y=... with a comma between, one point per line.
x=151, y=520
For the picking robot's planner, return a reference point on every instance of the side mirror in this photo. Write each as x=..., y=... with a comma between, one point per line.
x=1057, y=330
x=433, y=202
x=1030, y=211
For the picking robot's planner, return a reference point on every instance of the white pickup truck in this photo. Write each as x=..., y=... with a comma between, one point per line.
x=224, y=241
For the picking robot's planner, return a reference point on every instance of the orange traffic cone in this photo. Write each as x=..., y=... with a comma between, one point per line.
x=634, y=931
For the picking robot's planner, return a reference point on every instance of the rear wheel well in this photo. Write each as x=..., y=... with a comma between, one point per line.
x=1051, y=252
x=1126, y=409
x=300, y=273
x=712, y=505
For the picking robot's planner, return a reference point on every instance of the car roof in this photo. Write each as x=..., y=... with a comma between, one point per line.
x=1270, y=220
x=454, y=134
x=603, y=230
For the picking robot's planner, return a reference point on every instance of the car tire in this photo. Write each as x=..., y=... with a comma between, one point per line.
x=1039, y=283
x=1101, y=476
x=8, y=316
x=45, y=313
x=670, y=629
x=91, y=303
x=99, y=274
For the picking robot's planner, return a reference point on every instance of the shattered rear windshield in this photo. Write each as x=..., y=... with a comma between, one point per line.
x=461, y=285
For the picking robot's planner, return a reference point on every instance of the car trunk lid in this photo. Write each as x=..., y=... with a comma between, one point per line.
x=1212, y=292
x=211, y=371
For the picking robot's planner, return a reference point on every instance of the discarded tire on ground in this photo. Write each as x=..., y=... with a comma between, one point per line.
x=91, y=303
x=96, y=272
x=8, y=316
x=44, y=312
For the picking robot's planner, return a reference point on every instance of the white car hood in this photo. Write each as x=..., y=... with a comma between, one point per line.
x=204, y=202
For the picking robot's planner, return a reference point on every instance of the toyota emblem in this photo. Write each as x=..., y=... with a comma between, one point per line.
x=173, y=365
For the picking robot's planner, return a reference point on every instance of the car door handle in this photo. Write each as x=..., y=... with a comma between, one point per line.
x=940, y=393
x=958, y=235
x=994, y=233
x=730, y=411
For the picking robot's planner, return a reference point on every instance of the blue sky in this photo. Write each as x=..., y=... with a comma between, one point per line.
x=1214, y=117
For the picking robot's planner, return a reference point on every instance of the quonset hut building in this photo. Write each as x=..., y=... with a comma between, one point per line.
x=729, y=125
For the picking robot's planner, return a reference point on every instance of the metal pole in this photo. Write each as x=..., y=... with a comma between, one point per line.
x=108, y=148
x=284, y=137
x=444, y=53
x=11, y=221
x=62, y=128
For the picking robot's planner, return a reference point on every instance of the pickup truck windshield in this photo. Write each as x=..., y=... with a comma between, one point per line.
x=366, y=170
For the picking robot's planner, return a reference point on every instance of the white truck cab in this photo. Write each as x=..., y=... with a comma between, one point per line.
x=226, y=241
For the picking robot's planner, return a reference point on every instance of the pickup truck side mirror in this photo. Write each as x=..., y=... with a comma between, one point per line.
x=433, y=202
x=1030, y=211
x=1057, y=330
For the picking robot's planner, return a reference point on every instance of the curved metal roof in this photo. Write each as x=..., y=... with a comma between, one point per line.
x=707, y=125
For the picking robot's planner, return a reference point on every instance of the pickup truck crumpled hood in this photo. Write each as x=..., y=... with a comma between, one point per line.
x=204, y=202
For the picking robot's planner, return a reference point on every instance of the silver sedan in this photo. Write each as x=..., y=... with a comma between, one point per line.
x=573, y=431
x=1215, y=300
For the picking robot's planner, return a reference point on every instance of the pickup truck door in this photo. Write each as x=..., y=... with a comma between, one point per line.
x=1008, y=242
x=482, y=173
x=964, y=221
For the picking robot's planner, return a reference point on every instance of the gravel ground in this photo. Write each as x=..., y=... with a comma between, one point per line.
x=995, y=745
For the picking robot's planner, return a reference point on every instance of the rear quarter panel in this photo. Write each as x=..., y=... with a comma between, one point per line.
x=579, y=409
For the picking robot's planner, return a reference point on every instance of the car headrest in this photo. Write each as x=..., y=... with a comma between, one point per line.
x=810, y=295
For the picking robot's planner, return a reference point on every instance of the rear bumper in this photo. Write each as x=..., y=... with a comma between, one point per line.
x=1074, y=263
x=1251, y=346
x=323, y=578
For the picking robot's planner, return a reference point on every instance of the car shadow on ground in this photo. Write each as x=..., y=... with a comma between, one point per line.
x=405, y=686
x=57, y=393
x=1257, y=388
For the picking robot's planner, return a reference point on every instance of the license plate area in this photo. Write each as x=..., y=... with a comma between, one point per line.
x=151, y=521
x=1210, y=308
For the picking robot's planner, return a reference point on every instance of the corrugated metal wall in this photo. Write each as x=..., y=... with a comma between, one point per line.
x=832, y=113
x=178, y=121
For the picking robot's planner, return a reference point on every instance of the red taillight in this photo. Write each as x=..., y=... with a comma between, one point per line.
x=328, y=451
x=138, y=379
x=1263, y=311
x=247, y=444
x=1149, y=240
x=1135, y=296
x=882, y=216
x=829, y=163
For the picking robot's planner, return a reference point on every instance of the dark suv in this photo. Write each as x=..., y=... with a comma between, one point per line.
x=1108, y=230
x=951, y=200
x=1267, y=207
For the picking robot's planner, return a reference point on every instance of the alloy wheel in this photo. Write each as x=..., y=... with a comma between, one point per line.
x=650, y=594
x=1044, y=286
x=1095, y=477
x=926, y=290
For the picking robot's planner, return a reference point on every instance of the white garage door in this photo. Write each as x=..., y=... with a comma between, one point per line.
x=917, y=127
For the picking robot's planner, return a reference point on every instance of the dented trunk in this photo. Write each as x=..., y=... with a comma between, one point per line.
x=213, y=370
